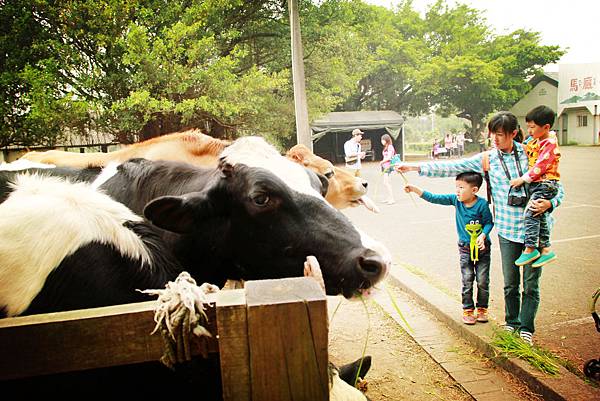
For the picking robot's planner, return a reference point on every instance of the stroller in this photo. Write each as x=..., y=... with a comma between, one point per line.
x=592, y=367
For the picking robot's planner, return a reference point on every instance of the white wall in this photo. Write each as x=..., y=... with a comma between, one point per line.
x=581, y=135
x=543, y=93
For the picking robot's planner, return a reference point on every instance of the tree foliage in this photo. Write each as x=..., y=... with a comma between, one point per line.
x=141, y=68
x=472, y=72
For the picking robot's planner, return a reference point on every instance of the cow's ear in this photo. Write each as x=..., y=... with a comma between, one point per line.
x=318, y=181
x=176, y=213
x=297, y=157
x=324, y=184
x=226, y=168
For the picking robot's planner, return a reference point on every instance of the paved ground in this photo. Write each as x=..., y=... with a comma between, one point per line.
x=422, y=361
x=422, y=239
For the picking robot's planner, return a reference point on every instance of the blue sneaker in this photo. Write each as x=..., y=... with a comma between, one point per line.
x=527, y=258
x=544, y=259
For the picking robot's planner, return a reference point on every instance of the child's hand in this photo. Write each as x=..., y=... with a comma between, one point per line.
x=481, y=241
x=517, y=182
x=412, y=188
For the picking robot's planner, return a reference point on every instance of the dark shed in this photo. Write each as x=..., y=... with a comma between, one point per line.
x=331, y=131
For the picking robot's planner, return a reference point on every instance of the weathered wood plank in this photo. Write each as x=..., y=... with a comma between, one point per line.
x=84, y=339
x=287, y=333
x=233, y=345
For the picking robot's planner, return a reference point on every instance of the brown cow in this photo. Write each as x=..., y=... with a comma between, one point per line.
x=191, y=146
x=345, y=190
x=194, y=147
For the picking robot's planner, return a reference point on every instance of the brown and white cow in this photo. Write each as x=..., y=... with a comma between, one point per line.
x=199, y=149
x=345, y=189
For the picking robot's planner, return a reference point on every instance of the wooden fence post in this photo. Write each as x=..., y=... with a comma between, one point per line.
x=233, y=345
x=288, y=338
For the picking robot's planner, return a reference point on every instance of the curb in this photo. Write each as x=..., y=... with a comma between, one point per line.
x=565, y=387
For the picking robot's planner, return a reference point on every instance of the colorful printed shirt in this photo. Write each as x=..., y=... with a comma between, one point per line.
x=388, y=153
x=508, y=220
x=544, y=157
x=479, y=213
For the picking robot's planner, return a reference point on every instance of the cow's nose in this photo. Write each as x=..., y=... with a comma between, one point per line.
x=371, y=266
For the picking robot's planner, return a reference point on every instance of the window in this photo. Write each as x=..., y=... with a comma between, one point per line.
x=582, y=121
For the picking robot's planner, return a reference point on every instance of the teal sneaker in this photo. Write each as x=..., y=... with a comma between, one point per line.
x=544, y=259
x=527, y=258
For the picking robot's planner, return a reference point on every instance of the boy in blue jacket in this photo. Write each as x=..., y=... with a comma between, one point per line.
x=473, y=225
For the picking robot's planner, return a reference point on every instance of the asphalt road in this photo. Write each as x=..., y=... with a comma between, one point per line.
x=422, y=237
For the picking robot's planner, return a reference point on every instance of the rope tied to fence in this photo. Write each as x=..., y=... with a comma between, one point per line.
x=180, y=313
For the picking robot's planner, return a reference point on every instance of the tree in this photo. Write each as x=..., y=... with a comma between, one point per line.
x=145, y=67
x=141, y=68
x=472, y=72
x=396, y=49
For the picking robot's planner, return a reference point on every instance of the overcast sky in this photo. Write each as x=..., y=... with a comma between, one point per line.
x=568, y=23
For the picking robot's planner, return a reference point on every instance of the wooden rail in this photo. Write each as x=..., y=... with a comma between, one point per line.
x=271, y=338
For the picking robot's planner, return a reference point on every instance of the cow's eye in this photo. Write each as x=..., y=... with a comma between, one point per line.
x=329, y=174
x=261, y=199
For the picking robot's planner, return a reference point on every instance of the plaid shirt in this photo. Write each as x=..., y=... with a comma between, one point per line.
x=508, y=220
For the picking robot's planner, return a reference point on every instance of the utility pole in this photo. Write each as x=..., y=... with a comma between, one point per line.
x=303, y=134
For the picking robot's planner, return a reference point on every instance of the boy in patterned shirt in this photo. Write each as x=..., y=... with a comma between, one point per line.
x=543, y=176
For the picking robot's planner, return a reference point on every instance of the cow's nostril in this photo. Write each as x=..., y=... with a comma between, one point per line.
x=371, y=266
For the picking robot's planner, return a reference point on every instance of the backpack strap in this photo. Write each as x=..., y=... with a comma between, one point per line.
x=485, y=165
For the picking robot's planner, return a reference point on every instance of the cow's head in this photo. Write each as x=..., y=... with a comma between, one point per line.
x=345, y=189
x=268, y=229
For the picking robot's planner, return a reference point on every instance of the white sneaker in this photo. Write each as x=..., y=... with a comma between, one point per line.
x=527, y=337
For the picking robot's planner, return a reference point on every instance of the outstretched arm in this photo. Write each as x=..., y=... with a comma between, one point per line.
x=446, y=168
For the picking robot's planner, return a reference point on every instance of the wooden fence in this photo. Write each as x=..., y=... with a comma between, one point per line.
x=271, y=338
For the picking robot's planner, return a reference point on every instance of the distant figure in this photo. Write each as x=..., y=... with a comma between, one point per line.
x=386, y=167
x=454, y=146
x=482, y=140
x=448, y=144
x=460, y=143
x=435, y=149
x=353, y=152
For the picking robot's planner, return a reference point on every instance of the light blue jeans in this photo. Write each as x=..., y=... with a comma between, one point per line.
x=520, y=307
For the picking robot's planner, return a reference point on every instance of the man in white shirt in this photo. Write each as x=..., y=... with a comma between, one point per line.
x=353, y=152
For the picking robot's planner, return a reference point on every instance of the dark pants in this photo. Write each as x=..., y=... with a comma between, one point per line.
x=471, y=271
x=536, y=227
x=520, y=308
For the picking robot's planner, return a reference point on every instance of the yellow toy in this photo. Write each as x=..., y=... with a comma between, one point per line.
x=474, y=229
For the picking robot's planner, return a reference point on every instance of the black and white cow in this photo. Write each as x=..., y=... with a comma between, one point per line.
x=67, y=246
x=241, y=222
x=234, y=222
